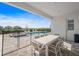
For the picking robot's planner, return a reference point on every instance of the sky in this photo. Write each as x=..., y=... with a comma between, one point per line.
x=12, y=16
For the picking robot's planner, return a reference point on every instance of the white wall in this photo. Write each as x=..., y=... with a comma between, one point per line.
x=60, y=25
x=0, y=45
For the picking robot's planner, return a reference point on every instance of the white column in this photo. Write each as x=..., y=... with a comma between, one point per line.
x=0, y=44
x=51, y=26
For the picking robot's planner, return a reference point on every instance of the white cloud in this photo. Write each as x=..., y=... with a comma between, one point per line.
x=10, y=21
x=22, y=22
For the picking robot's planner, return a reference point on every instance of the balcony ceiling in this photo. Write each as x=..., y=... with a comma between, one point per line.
x=56, y=8
x=50, y=9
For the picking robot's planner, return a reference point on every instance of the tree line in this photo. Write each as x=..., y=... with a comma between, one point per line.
x=10, y=29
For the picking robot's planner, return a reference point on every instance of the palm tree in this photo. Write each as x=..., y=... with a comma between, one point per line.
x=17, y=27
x=8, y=27
x=1, y=28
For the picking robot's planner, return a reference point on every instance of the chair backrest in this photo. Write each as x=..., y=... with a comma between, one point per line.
x=59, y=43
x=37, y=46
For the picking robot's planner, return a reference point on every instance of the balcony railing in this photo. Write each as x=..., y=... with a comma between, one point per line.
x=18, y=43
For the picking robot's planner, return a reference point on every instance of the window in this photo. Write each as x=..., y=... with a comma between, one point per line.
x=70, y=24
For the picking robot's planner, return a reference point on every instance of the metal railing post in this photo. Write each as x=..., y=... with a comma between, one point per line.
x=18, y=43
x=30, y=41
x=1, y=43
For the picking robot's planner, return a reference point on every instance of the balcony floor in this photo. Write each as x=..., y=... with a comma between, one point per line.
x=26, y=51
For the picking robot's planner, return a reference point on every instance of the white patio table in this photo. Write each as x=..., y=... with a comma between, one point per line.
x=46, y=41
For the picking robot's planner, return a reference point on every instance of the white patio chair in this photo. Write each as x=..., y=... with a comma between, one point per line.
x=52, y=48
x=55, y=47
x=37, y=49
x=66, y=48
x=58, y=47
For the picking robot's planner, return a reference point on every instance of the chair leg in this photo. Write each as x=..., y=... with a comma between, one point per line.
x=37, y=53
x=56, y=52
x=33, y=53
x=60, y=52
